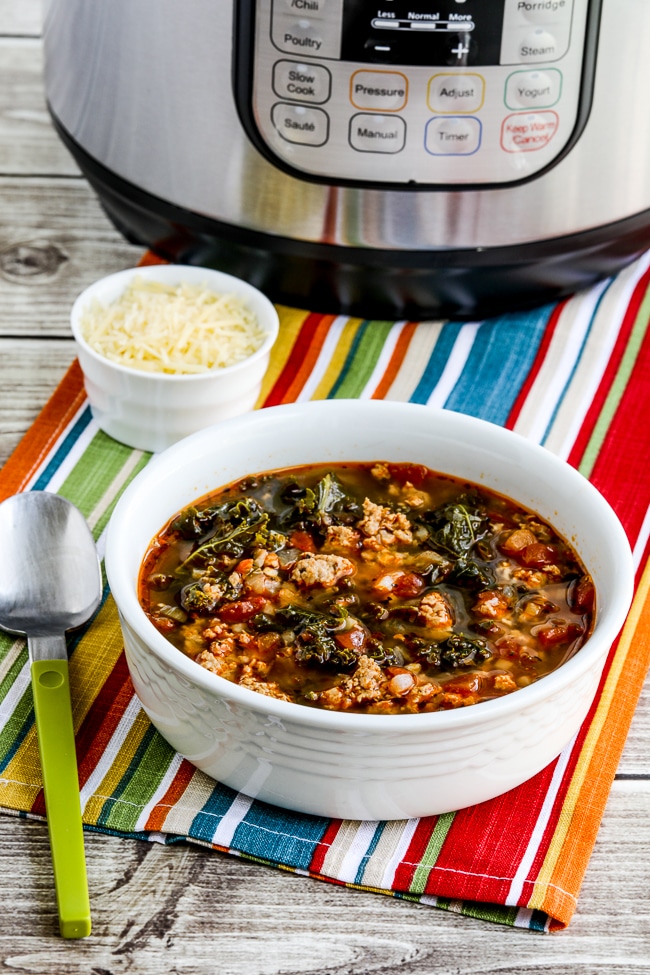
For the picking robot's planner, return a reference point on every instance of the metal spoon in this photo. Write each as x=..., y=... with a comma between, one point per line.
x=50, y=582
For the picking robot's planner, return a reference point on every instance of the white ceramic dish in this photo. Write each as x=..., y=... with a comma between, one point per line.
x=154, y=410
x=353, y=765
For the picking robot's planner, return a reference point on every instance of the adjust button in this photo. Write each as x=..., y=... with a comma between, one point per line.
x=455, y=135
x=453, y=93
x=301, y=82
x=384, y=91
x=377, y=133
x=533, y=89
x=297, y=123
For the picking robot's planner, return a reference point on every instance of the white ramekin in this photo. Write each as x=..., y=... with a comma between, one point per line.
x=151, y=411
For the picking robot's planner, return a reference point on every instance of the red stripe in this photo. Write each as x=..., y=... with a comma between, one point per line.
x=595, y=409
x=411, y=860
x=177, y=787
x=324, y=846
x=524, y=392
x=298, y=353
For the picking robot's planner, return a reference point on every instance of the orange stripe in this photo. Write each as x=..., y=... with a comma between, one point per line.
x=312, y=352
x=396, y=360
x=178, y=786
x=42, y=435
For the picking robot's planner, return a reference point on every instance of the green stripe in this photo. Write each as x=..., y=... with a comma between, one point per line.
x=139, y=783
x=95, y=471
x=615, y=394
x=359, y=368
x=490, y=912
x=430, y=855
x=14, y=670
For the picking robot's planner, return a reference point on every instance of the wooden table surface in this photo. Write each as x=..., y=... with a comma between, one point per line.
x=187, y=910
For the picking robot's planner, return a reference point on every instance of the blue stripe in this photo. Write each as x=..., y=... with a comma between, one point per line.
x=63, y=450
x=349, y=359
x=206, y=822
x=279, y=835
x=499, y=361
x=437, y=362
x=372, y=846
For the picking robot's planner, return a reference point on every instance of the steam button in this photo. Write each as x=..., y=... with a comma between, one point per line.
x=300, y=124
x=539, y=45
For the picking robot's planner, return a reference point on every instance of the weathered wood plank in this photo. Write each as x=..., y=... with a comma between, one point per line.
x=182, y=909
x=55, y=240
x=29, y=144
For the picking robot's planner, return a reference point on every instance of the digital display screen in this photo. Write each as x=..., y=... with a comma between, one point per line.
x=423, y=31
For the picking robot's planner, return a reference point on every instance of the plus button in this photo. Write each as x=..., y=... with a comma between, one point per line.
x=461, y=50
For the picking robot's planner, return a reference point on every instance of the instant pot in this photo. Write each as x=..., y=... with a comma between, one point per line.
x=391, y=158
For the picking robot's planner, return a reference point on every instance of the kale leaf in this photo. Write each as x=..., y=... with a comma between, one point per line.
x=314, y=641
x=234, y=526
x=457, y=650
x=319, y=506
x=456, y=526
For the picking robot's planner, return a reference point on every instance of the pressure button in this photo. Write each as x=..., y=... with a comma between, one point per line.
x=381, y=91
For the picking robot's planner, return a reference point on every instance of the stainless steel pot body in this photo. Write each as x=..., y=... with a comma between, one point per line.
x=145, y=89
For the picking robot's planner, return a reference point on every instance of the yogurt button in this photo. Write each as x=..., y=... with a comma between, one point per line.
x=533, y=89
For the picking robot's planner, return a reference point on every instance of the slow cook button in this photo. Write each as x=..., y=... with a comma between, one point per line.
x=296, y=123
x=539, y=45
x=301, y=82
x=527, y=133
x=377, y=133
x=533, y=89
x=454, y=93
x=452, y=136
x=383, y=91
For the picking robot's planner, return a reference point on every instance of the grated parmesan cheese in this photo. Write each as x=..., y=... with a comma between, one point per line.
x=185, y=328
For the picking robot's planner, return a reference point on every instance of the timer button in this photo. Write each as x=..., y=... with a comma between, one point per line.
x=452, y=136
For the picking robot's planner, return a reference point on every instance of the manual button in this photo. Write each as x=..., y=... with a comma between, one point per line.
x=301, y=82
x=377, y=133
x=297, y=123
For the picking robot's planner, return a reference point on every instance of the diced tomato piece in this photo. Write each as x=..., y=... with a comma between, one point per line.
x=163, y=624
x=242, y=610
x=353, y=639
x=557, y=631
x=537, y=555
x=517, y=541
x=583, y=595
x=408, y=584
x=245, y=566
x=414, y=473
x=303, y=541
x=467, y=684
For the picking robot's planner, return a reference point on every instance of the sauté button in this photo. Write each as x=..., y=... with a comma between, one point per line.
x=452, y=136
x=297, y=123
x=453, y=93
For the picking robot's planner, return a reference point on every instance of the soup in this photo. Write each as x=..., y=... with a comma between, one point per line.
x=367, y=587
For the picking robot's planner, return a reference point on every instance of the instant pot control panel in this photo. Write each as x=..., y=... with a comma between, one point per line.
x=398, y=93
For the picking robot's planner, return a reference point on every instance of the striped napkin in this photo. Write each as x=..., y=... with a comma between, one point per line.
x=573, y=376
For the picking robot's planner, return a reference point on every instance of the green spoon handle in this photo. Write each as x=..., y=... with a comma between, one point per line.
x=61, y=786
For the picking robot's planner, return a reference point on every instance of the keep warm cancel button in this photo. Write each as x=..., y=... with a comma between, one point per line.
x=526, y=132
